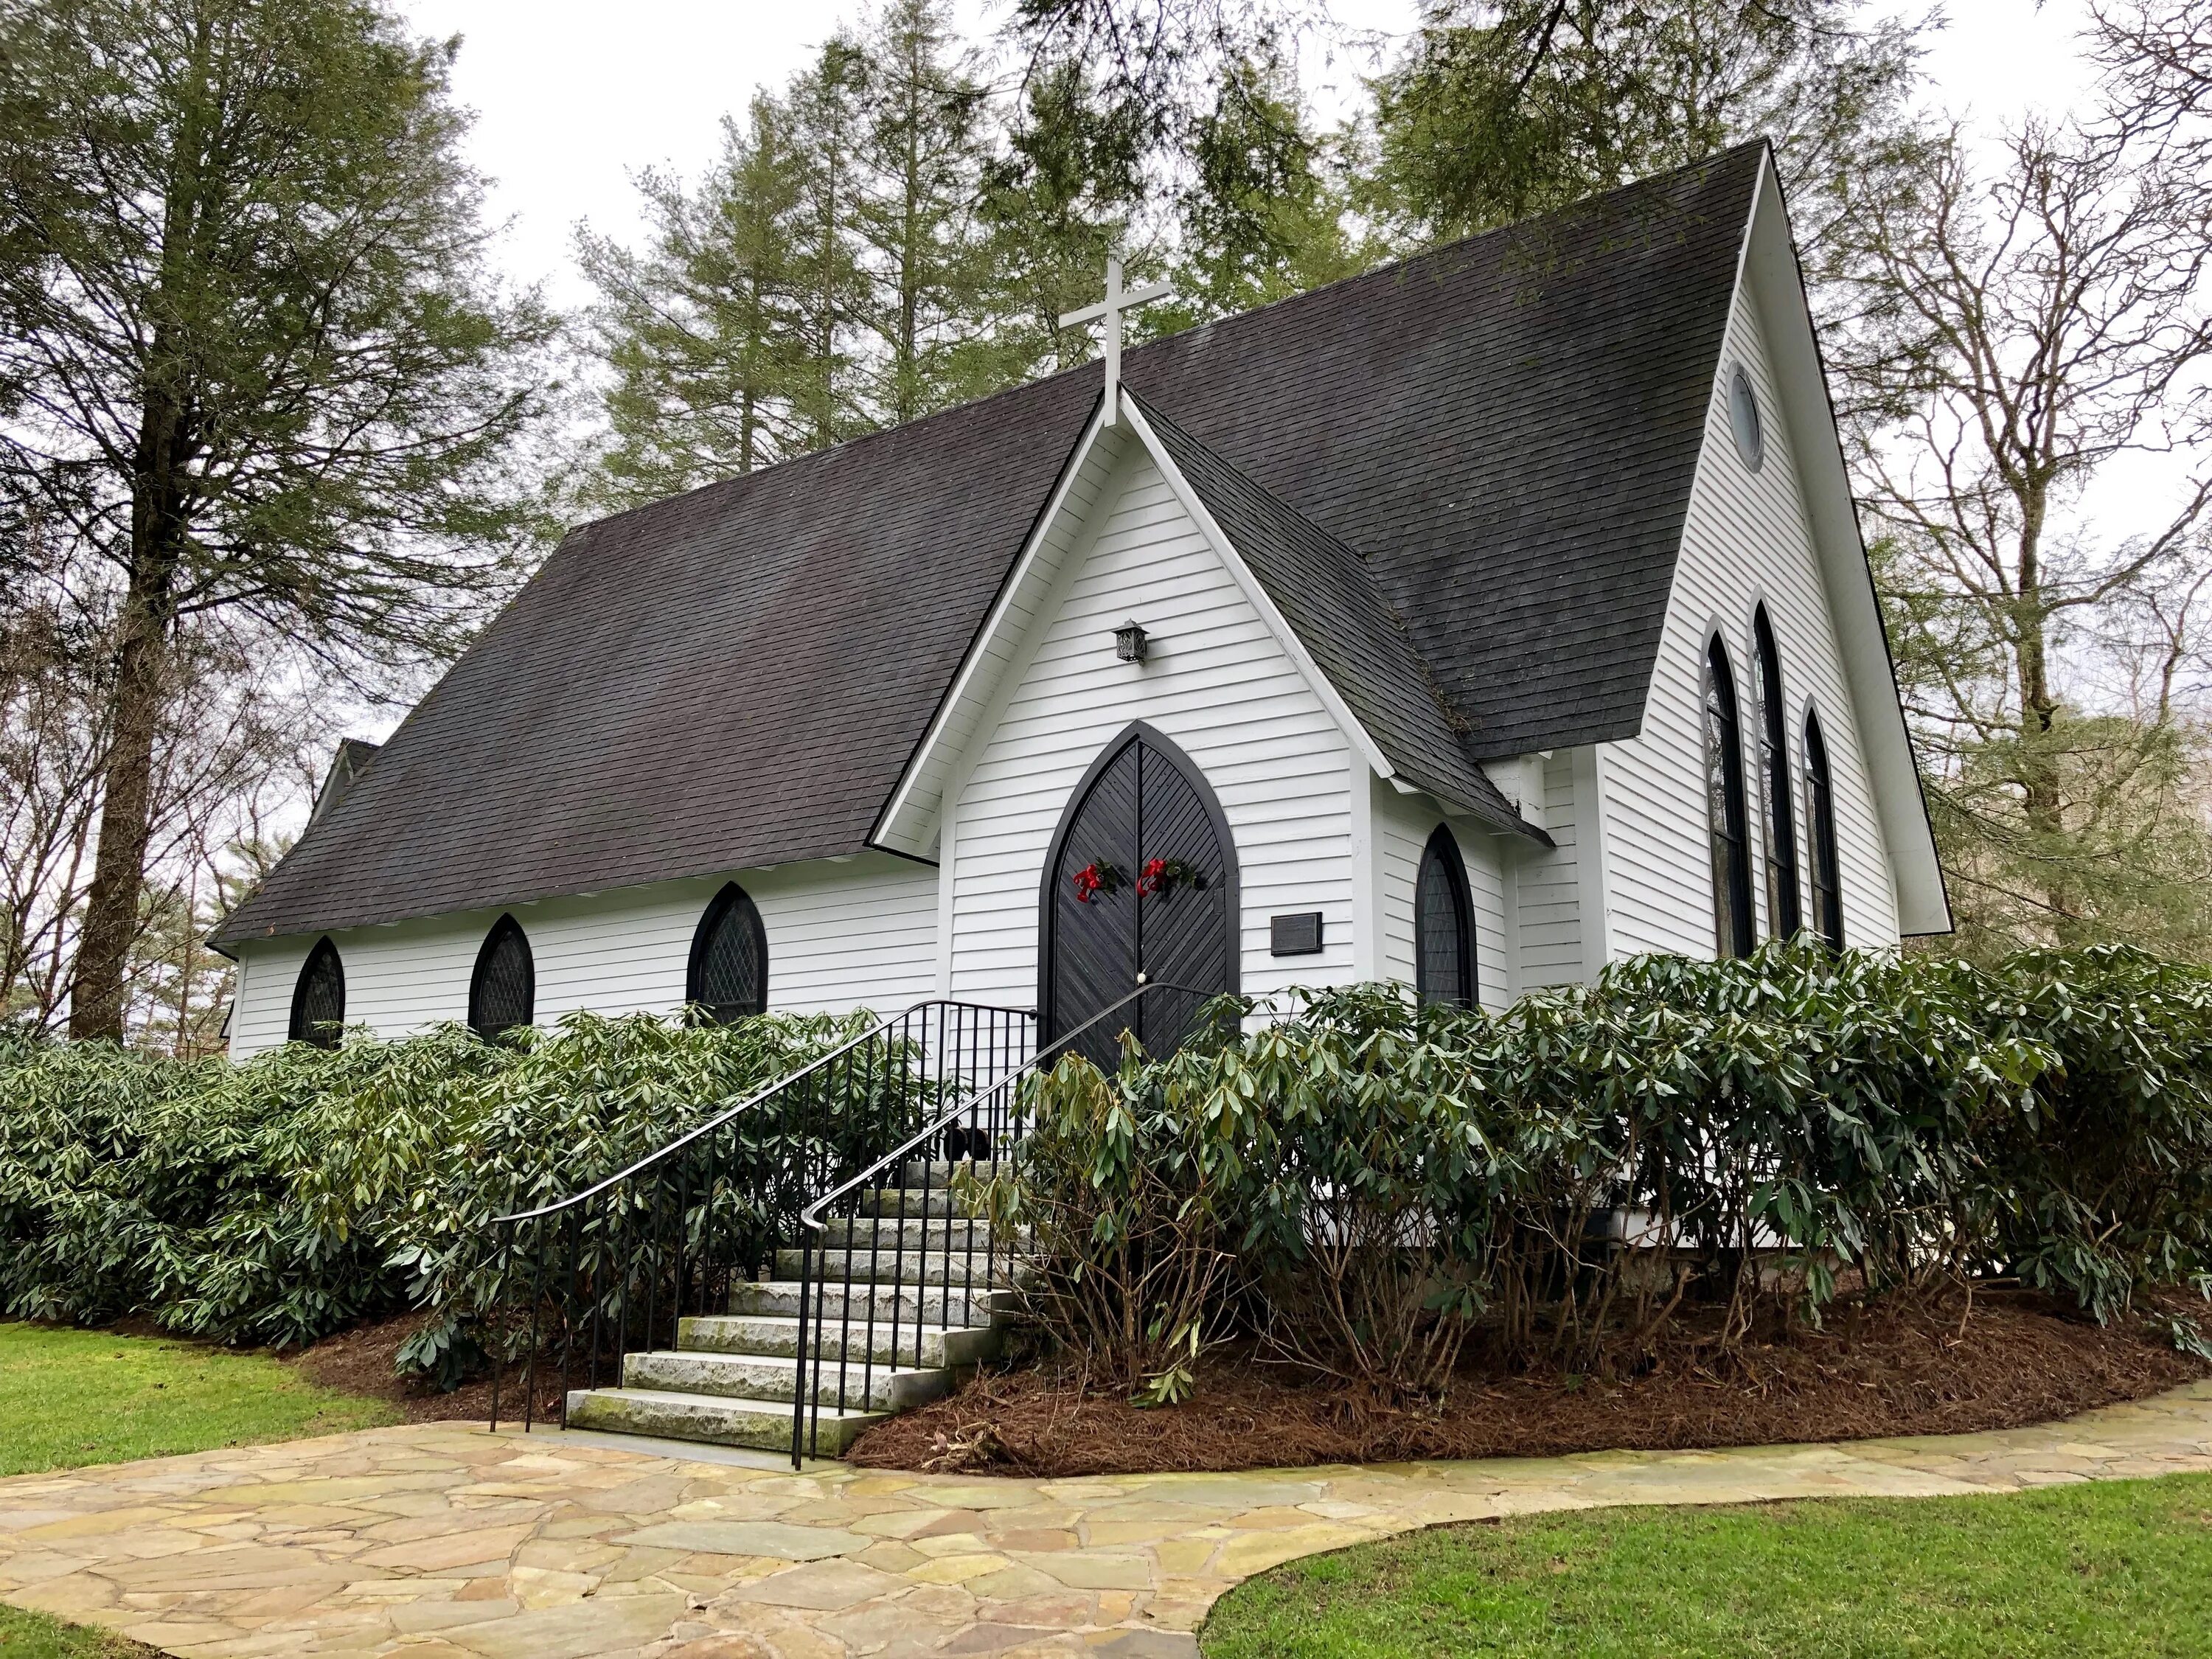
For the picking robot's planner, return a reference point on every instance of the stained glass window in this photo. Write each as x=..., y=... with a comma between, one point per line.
x=1820, y=822
x=1783, y=917
x=1443, y=930
x=1724, y=807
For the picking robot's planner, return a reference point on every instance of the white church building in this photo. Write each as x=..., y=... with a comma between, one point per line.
x=1471, y=623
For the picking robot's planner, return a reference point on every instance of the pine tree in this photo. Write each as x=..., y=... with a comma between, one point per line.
x=259, y=369
x=1068, y=186
x=824, y=109
x=700, y=332
x=1503, y=108
x=1263, y=215
x=924, y=254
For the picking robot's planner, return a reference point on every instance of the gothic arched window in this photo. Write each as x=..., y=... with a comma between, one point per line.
x=1724, y=806
x=1783, y=918
x=503, y=991
x=1444, y=929
x=728, y=976
x=1821, y=823
x=319, y=997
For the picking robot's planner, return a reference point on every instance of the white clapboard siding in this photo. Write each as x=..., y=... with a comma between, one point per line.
x=1548, y=883
x=840, y=936
x=1218, y=682
x=1747, y=538
x=1403, y=824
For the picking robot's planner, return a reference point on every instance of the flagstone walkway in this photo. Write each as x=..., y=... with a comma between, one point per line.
x=441, y=1541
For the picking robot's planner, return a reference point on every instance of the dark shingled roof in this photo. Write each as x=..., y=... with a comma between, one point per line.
x=1330, y=599
x=1505, y=431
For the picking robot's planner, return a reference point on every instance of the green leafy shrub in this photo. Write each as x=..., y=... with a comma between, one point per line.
x=1126, y=1201
x=1562, y=1179
x=275, y=1201
x=2101, y=1180
x=1363, y=1185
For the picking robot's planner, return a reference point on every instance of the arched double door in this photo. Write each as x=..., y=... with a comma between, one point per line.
x=1140, y=887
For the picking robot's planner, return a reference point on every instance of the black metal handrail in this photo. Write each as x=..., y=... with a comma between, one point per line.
x=983, y=1130
x=676, y=1229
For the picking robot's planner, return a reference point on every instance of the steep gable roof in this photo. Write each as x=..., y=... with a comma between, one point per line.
x=1504, y=432
x=1331, y=601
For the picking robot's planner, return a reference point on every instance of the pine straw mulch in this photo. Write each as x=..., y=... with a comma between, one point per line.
x=1895, y=1368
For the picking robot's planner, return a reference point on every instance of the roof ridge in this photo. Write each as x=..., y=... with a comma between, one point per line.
x=1654, y=184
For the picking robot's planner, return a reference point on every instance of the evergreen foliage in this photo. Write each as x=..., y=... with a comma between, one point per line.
x=1502, y=110
x=274, y=1202
x=1367, y=1185
x=257, y=379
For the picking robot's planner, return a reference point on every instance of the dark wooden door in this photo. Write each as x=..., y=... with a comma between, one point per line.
x=1142, y=808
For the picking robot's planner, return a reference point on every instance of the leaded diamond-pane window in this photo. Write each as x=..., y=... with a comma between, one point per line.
x=502, y=994
x=319, y=998
x=1443, y=939
x=728, y=978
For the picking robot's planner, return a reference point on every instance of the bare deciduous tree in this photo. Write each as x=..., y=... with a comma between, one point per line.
x=235, y=742
x=2159, y=53
x=2021, y=324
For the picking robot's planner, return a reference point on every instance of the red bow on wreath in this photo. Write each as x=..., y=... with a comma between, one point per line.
x=1096, y=877
x=1158, y=876
x=1165, y=875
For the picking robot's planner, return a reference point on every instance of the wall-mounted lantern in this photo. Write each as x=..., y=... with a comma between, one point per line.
x=1129, y=641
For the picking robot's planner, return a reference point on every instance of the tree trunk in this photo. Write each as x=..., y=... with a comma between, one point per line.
x=119, y=871
x=2043, y=790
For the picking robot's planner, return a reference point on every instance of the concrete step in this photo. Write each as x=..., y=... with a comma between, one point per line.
x=935, y=1305
x=758, y=1333
x=713, y=1419
x=887, y=1233
x=864, y=1266
x=936, y=1175
x=863, y=1386
x=910, y=1202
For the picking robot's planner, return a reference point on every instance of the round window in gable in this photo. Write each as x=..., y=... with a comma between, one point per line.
x=1743, y=417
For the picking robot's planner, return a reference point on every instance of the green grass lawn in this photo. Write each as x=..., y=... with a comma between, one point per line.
x=34, y=1636
x=2117, y=1568
x=69, y=1398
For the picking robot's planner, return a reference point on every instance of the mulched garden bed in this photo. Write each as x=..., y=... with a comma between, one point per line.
x=1898, y=1367
x=359, y=1361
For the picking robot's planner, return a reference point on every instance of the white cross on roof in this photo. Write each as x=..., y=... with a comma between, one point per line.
x=1109, y=312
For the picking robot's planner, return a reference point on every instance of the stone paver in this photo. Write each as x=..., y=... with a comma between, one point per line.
x=442, y=1541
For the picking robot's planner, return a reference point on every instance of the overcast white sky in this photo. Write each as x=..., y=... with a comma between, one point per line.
x=574, y=96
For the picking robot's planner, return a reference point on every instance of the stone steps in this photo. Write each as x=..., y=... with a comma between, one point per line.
x=764, y=1425
x=778, y=1298
x=862, y=1385
x=959, y=1235
x=977, y=1272
x=938, y=1176
x=915, y=1259
x=771, y=1334
x=910, y=1202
